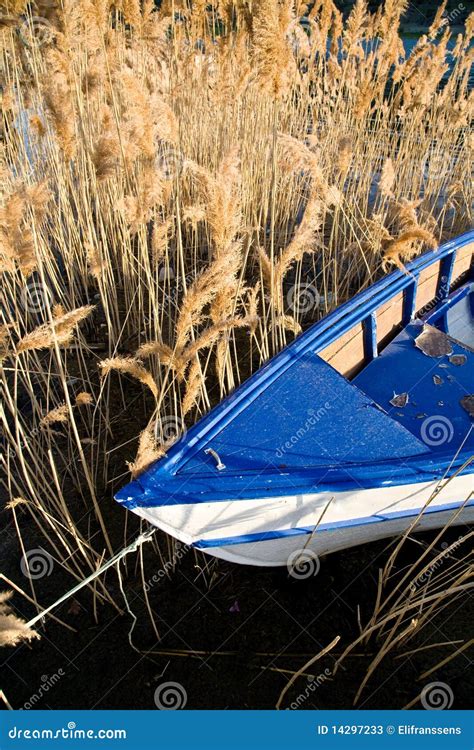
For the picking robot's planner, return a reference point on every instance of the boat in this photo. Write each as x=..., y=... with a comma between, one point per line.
x=361, y=429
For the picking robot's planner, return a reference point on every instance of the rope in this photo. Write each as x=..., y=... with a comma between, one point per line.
x=133, y=547
x=127, y=605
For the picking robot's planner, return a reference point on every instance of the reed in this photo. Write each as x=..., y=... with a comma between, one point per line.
x=409, y=598
x=170, y=186
x=13, y=630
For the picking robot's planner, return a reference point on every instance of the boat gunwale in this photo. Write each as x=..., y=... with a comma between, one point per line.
x=195, y=489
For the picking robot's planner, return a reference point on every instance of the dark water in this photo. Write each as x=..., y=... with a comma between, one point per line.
x=225, y=634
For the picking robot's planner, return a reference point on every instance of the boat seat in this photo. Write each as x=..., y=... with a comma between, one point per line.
x=434, y=386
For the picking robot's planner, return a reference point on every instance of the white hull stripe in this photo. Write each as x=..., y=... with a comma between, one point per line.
x=264, y=536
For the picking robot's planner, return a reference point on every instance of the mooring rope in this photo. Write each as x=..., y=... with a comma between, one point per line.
x=133, y=547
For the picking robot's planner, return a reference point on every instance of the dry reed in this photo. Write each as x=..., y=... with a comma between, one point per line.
x=159, y=197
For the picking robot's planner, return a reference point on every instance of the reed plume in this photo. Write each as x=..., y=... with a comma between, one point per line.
x=59, y=331
x=160, y=237
x=303, y=241
x=105, y=156
x=403, y=247
x=223, y=212
x=13, y=630
x=17, y=248
x=58, y=104
x=272, y=58
x=96, y=264
x=148, y=452
x=203, y=290
x=84, y=399
x=4, y=340
x=130, y=366
x=58, y=414
x=193, y=387
x=387, y=178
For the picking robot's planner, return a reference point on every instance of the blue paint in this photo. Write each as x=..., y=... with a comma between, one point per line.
x=158, y=491
x=370, y=337
x=352, y=443
x=404, y=367
x=309, y=416
x=451, y=300
x=409, y=300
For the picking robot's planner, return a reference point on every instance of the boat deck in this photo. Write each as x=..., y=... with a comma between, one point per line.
x=433, y=386
x=307, y=417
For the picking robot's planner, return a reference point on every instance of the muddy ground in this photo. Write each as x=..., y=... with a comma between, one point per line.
x=226, y=634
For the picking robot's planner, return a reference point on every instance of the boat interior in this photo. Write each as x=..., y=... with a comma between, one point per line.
x=411, y=385
x=440, y=292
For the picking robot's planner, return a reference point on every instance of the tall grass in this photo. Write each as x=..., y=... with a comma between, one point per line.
x=183, y=190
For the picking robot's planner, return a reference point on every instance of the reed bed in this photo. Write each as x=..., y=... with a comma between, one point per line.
x=183, y=190
x=408, y=602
